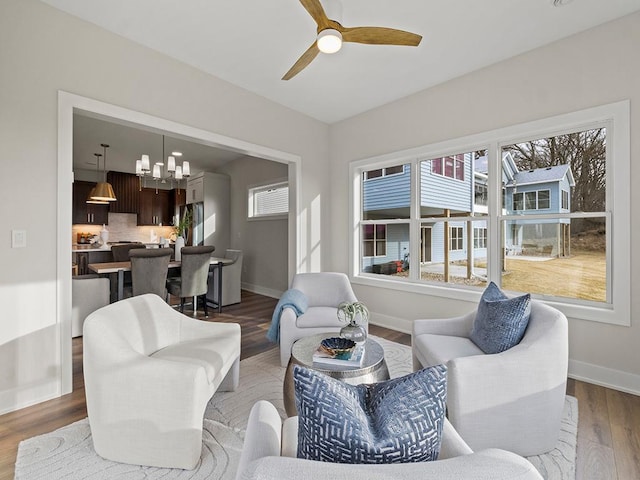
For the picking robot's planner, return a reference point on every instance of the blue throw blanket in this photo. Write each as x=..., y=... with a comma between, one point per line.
x=292, y=298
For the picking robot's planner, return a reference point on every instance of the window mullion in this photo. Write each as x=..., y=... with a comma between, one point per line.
x=414, y=225
x=494, y=233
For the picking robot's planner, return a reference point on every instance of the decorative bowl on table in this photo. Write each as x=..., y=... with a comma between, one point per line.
x=338, y=347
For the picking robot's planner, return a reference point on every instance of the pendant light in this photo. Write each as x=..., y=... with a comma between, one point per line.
x=93, y=190
x=104, y=191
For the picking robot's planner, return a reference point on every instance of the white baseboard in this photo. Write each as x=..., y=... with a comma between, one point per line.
x=605, y=377
x=267, y=292
x=586, y=372
x=394, y=323
x=27, y=396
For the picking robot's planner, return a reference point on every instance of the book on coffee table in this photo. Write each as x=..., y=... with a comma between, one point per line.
x=353, y=360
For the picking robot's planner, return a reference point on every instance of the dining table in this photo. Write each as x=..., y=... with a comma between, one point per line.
x=115, y=271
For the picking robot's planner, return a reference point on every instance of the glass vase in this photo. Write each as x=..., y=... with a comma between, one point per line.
x=355, y=332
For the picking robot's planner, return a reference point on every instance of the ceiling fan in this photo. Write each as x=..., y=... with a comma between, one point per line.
x=331, y=35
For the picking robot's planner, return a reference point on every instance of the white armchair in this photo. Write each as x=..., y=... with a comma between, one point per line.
x=269, y=452
x=324, y=292
x=149, y=373
x=511, y=400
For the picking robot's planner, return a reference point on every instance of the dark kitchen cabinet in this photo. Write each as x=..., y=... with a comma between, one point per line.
x=126, y=186
x=87, y=213
x=179, y=197
x=155, y=208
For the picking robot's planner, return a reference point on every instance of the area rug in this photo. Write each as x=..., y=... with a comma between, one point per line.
x=67, y=453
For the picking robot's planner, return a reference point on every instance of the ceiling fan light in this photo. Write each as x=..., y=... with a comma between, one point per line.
x=329, y=41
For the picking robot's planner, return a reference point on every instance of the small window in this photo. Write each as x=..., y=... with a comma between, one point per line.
x=518, y=201
x=457, y=240
x=451, y=166
x=543, y=199
x=565, y=200
x=374, y=240
x=383, y=172
x=479, y=238
x=480, y=194
x=269, y=200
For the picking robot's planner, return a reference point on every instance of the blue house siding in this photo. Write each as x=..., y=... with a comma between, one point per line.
x=389, y=197
x=438, y=191
x=393, y=191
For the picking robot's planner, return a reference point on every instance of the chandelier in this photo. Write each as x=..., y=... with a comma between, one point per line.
x=161, y=172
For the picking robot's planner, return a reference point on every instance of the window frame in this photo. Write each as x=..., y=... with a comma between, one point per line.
x=614, y=117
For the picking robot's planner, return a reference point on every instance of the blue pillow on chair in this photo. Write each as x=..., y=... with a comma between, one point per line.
x=396, y=421
x=500, y=321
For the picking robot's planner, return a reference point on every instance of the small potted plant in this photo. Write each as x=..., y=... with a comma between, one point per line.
x=355, y=315
x=181, y=229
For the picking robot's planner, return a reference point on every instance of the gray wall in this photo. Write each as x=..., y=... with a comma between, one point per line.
x=596, y=67
x=263, y=242
x=42, y=51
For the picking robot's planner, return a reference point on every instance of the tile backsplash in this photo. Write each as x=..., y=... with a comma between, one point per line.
x=123, y=227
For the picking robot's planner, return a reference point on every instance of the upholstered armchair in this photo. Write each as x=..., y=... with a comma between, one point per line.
x=231, y=280
x=270, y=445
x=149, y=372
x=324, y=292
x=511, y=400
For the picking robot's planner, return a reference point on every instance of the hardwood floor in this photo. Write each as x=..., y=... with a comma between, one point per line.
x=608, y=430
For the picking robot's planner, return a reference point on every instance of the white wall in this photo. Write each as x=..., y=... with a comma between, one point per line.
x=43, y=50
x=263, y=242
x=596, y=67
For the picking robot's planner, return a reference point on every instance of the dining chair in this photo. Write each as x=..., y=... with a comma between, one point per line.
x=149, y=271
x=194, y=273
x=231, y=280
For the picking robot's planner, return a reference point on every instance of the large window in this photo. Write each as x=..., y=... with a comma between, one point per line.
x=545, y=224
x=536, y=200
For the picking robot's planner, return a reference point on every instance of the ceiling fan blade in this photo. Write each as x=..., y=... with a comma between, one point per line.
x=314, y=7
x=380, y=36
x=306, y=58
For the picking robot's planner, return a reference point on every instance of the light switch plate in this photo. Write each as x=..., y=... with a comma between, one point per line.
x=18, y=238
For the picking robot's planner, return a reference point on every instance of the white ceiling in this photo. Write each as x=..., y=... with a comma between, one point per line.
x=127, y=144
x=252, y=43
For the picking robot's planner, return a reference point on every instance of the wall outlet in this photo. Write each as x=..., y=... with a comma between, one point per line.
x=18, y=238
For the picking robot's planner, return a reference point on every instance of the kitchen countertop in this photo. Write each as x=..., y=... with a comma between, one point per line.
x=90, y=247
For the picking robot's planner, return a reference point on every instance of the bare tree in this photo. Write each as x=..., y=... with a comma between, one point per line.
x=585, y=152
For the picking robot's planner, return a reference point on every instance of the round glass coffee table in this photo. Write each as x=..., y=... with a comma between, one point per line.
x=373, y=369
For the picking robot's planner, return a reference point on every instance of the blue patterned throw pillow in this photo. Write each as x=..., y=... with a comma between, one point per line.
x=500, y=321
x=396, y=421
